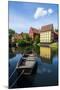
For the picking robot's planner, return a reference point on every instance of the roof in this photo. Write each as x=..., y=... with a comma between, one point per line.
x=48, y=27
x=55, y=32
x=18, y=36
x=34, y=30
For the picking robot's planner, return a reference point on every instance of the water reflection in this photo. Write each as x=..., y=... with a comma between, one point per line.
x=46, y=54
x=46, y=72
x=12, y=52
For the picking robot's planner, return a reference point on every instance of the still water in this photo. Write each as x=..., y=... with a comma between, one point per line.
x=46, y=72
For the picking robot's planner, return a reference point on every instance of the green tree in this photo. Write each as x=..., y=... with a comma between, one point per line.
x=56, y=30
x=37, y=39
x=21, y=42
x=11, y=32
x=26, y=37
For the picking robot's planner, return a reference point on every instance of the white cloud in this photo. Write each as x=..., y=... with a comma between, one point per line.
x=42, y=12
x=50, y=11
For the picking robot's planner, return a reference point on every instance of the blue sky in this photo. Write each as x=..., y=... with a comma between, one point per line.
x=23, y=15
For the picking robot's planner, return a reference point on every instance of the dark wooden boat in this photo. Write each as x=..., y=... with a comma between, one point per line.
x=27, y=65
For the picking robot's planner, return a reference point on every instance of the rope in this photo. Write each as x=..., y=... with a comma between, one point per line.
x=17, y=79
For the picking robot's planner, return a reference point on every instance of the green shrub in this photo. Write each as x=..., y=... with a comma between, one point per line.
x=21, y=42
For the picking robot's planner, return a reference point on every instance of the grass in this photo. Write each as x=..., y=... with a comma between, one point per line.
x=54, y=47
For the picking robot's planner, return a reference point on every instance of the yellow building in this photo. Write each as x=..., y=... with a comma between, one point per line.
x=46, y=34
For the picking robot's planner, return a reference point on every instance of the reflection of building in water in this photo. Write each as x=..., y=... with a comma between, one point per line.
x=46, y=54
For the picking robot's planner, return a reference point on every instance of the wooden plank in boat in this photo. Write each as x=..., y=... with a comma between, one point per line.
x=29, y=58
x=27, y=55
x=27, y=64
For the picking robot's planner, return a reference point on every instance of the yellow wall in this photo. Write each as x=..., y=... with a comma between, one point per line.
x=45, y=52
x=45, y=36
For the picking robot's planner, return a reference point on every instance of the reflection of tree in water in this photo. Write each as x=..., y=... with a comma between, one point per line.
x=45, y=53
x=36, y=49
x=25, y=49
x=12, y=52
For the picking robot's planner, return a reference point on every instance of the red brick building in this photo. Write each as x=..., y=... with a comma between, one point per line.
x=33, y=32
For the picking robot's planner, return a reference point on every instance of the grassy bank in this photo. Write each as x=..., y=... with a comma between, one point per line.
x=54, y=47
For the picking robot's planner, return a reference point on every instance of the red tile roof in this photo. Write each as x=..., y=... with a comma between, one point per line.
x=47, y=28
x=34, y=30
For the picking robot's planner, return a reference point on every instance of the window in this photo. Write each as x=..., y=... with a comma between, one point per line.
x=45, y=37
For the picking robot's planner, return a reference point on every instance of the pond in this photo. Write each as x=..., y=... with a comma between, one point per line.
x=47, y=67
